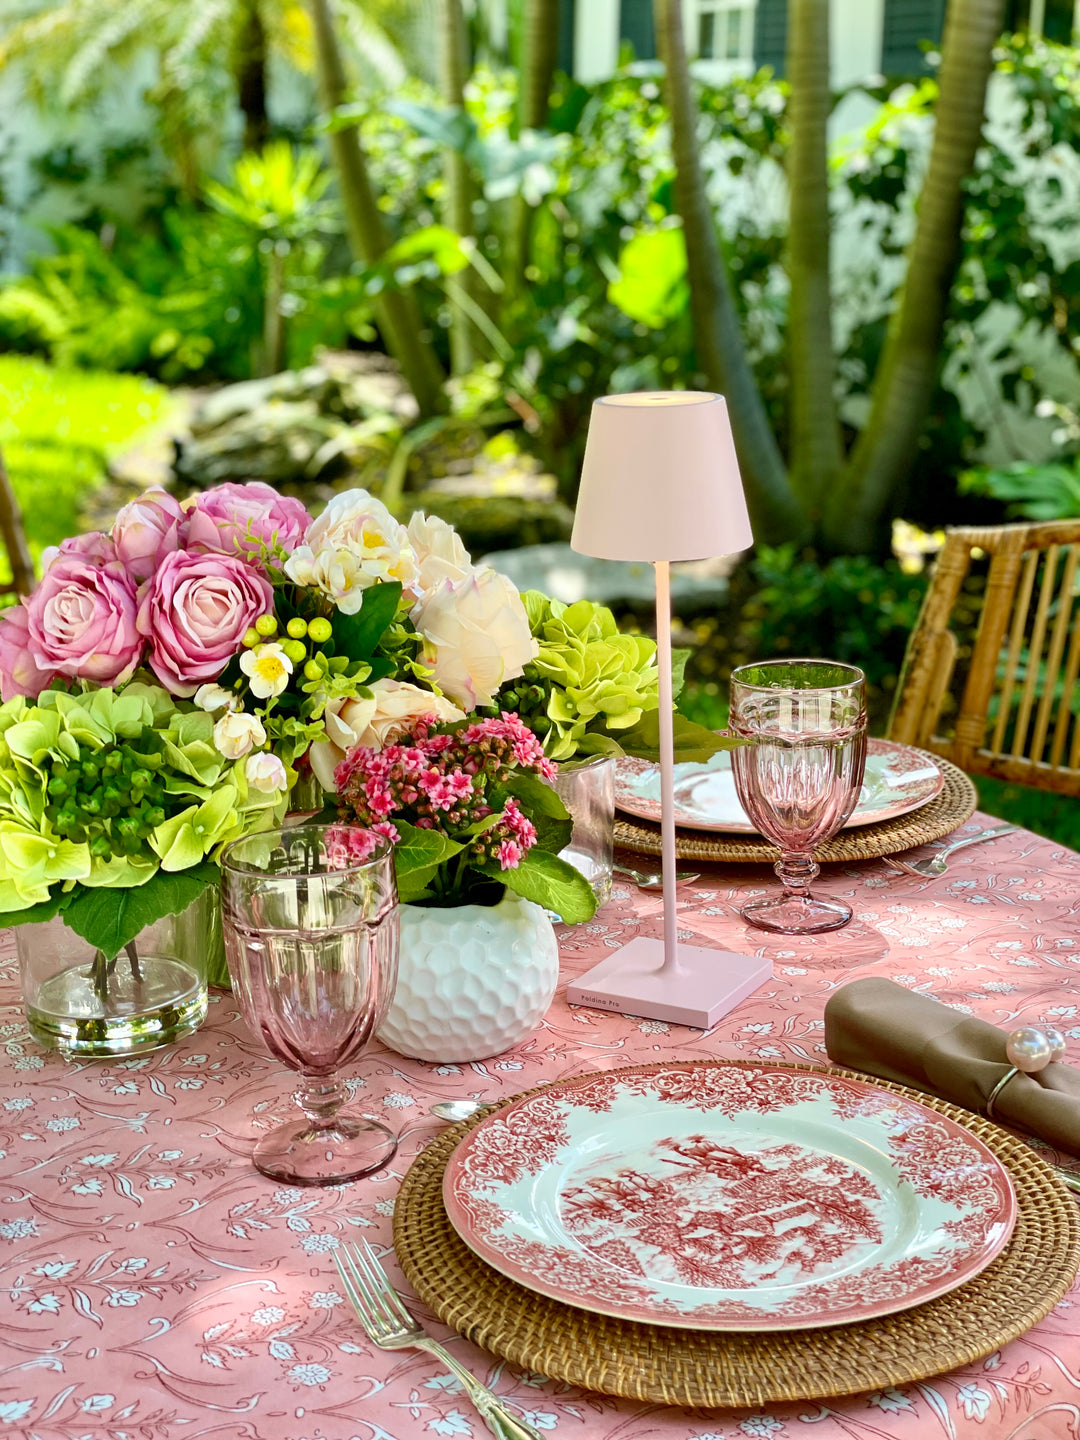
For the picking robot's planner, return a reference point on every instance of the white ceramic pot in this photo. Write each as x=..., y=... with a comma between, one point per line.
x=473, y=980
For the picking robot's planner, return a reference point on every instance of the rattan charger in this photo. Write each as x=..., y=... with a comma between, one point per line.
x=938, y=817
x=666, y=1366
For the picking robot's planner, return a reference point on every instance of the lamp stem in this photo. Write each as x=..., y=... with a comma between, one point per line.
x=667, y=761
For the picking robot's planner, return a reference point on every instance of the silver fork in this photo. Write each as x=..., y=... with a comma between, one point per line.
x=927, y=869
x=389, y=1325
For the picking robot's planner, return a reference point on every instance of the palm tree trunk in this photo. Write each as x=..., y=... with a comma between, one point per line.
x=816, y=453
x=539, y=51
x=774, y=509
x=397, y=313
x=457, y=179
x=907, y=375
x=250, y=65
x=536, y=70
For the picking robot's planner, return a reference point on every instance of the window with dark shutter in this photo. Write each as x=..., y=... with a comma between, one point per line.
x=907, y=24
x=637, y=28
x=770, y=34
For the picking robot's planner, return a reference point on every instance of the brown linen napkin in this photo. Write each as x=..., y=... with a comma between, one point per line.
x=878, y=1026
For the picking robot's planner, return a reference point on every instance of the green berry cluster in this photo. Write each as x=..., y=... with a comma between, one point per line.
x=265, y=630
x=111, y=799
x=527, y=698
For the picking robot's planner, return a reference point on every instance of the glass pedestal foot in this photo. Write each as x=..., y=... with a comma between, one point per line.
x=300, y=1153
x=796, y=914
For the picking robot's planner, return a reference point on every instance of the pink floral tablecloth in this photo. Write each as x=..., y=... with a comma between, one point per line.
x=154, y=1287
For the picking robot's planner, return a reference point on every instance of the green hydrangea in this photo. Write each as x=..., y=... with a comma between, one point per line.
x=588, y=682
x=105, y=789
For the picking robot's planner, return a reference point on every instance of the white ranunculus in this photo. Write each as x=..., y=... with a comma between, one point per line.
x=266, y=772
x=353, y=544
x=476, y=636
x=376, y=722
x=236, y=734
x=216, y=697
x=440, y=553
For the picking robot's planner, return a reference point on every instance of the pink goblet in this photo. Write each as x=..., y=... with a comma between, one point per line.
x=800, y=775
x=311, y=935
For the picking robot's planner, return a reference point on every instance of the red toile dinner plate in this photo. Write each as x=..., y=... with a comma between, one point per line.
x=898, y=780
x=722, y=1198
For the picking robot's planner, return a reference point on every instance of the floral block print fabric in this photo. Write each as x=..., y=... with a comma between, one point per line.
x=153, y=1286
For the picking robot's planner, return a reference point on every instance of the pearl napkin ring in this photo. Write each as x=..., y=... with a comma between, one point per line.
x=1028, y=1051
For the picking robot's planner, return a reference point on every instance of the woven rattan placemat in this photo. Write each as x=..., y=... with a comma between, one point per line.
x=667, y=1366
x=939, y=817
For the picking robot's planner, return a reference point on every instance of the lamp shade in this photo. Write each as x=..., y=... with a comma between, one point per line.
x=660, y=479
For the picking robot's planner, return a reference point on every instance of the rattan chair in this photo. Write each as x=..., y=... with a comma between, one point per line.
x=14, y=538
x=1017, y=714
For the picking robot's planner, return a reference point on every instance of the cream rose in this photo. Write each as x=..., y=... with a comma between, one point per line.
x=235, y=734
x=476, y=636
x=353, y=544
x=440, y=553
x=266, y=773
x=376, y=722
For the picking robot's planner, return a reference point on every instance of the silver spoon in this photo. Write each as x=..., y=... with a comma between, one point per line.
x=653, y=882
x=454, y=1110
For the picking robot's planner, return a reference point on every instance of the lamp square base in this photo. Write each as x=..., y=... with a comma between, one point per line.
x=698, y=991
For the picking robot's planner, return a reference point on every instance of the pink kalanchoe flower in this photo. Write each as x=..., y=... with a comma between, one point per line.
x=241, y=519
x=349, y=845
x=195, y=611
x=509, y=854
x=20, y=673
x=147, y=530
x=81, y=621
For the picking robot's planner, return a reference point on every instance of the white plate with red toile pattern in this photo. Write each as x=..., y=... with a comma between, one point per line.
x=898, y=779
x=729, y=1198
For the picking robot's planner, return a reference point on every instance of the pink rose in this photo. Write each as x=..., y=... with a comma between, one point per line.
x=147, y=530
x=239, y=518
x=194, y=611
x=93, y=547
x=81, y=621
x=19, y=671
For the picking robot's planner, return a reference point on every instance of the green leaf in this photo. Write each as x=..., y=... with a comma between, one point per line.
x=544, y=808
x=552, y=883
x=110, y=919
x=692, y=742
x=357, y=635
x=418, y=856
x=453, y=128
x=652, y=287
x=35, y=914
x=679, y=657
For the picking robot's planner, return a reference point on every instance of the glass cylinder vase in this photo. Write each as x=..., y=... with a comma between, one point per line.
x=152, y=993
x=587, y=789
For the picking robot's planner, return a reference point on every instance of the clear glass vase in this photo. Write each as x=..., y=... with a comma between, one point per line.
x=152, y=993
x=587, y=789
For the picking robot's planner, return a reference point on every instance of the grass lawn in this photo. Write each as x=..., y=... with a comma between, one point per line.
x=58, y=428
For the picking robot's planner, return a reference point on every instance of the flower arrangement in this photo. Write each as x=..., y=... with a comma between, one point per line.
x=469, y=813
x=167, y=681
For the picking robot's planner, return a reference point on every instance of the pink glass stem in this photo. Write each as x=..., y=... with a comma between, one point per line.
x=797, y=870
x=320, y=1099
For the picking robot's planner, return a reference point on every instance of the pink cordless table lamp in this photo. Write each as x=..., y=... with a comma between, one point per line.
x=660, y=482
